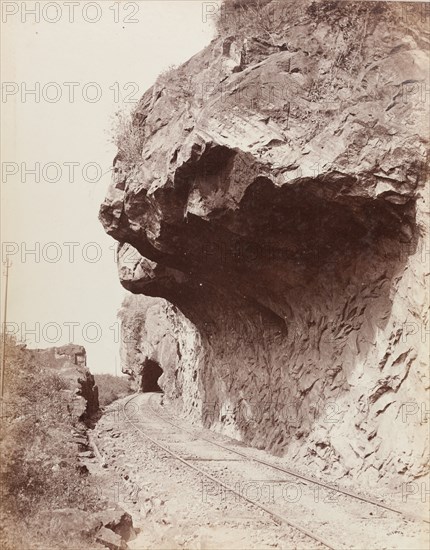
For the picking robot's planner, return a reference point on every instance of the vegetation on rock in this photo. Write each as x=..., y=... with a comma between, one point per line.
x=40, y=471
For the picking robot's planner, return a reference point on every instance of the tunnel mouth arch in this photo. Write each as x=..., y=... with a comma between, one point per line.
x=150, y=375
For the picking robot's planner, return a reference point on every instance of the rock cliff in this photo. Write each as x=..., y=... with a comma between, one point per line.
x=49, y=500
x=274, y=190
x=160, y=348
x=69, y=362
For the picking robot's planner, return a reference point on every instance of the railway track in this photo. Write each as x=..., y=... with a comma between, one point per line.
x=297, y=475
x=317, y=514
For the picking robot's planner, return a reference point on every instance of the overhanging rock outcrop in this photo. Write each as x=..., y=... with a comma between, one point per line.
x=273, y=188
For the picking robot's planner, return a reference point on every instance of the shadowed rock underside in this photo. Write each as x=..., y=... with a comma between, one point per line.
x=279, y=205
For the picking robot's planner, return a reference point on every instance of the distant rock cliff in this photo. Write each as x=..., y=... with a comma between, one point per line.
x=273, y=189
x=49, y=498
x=70, y=363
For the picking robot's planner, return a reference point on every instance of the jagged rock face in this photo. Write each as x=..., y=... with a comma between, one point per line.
x=159, y=344
x=279, y=201
x=70, y=363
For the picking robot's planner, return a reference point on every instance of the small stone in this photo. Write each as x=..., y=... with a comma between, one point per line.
x=110, y=539
x=86, y=454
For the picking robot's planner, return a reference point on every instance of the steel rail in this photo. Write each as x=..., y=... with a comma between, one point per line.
x=277, y=518
x=301, y=476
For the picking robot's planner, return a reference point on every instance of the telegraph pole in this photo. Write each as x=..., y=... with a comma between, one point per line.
x=3, y=365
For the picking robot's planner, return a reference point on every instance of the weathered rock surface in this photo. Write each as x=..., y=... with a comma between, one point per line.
x=110, y=539
x=112, y=527
x=119, y=522
x=70, y=363
x=280, y=201
x=159, y=344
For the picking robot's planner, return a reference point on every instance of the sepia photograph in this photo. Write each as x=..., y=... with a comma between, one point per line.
x=215, y=261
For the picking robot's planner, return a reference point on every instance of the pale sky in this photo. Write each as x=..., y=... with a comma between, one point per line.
x=63, y=289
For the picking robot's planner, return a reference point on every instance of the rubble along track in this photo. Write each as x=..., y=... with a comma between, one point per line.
x=279, y=519
x=280, y=512
x=328, y=486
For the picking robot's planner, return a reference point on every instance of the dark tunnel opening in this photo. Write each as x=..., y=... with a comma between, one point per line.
x=150, y=375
